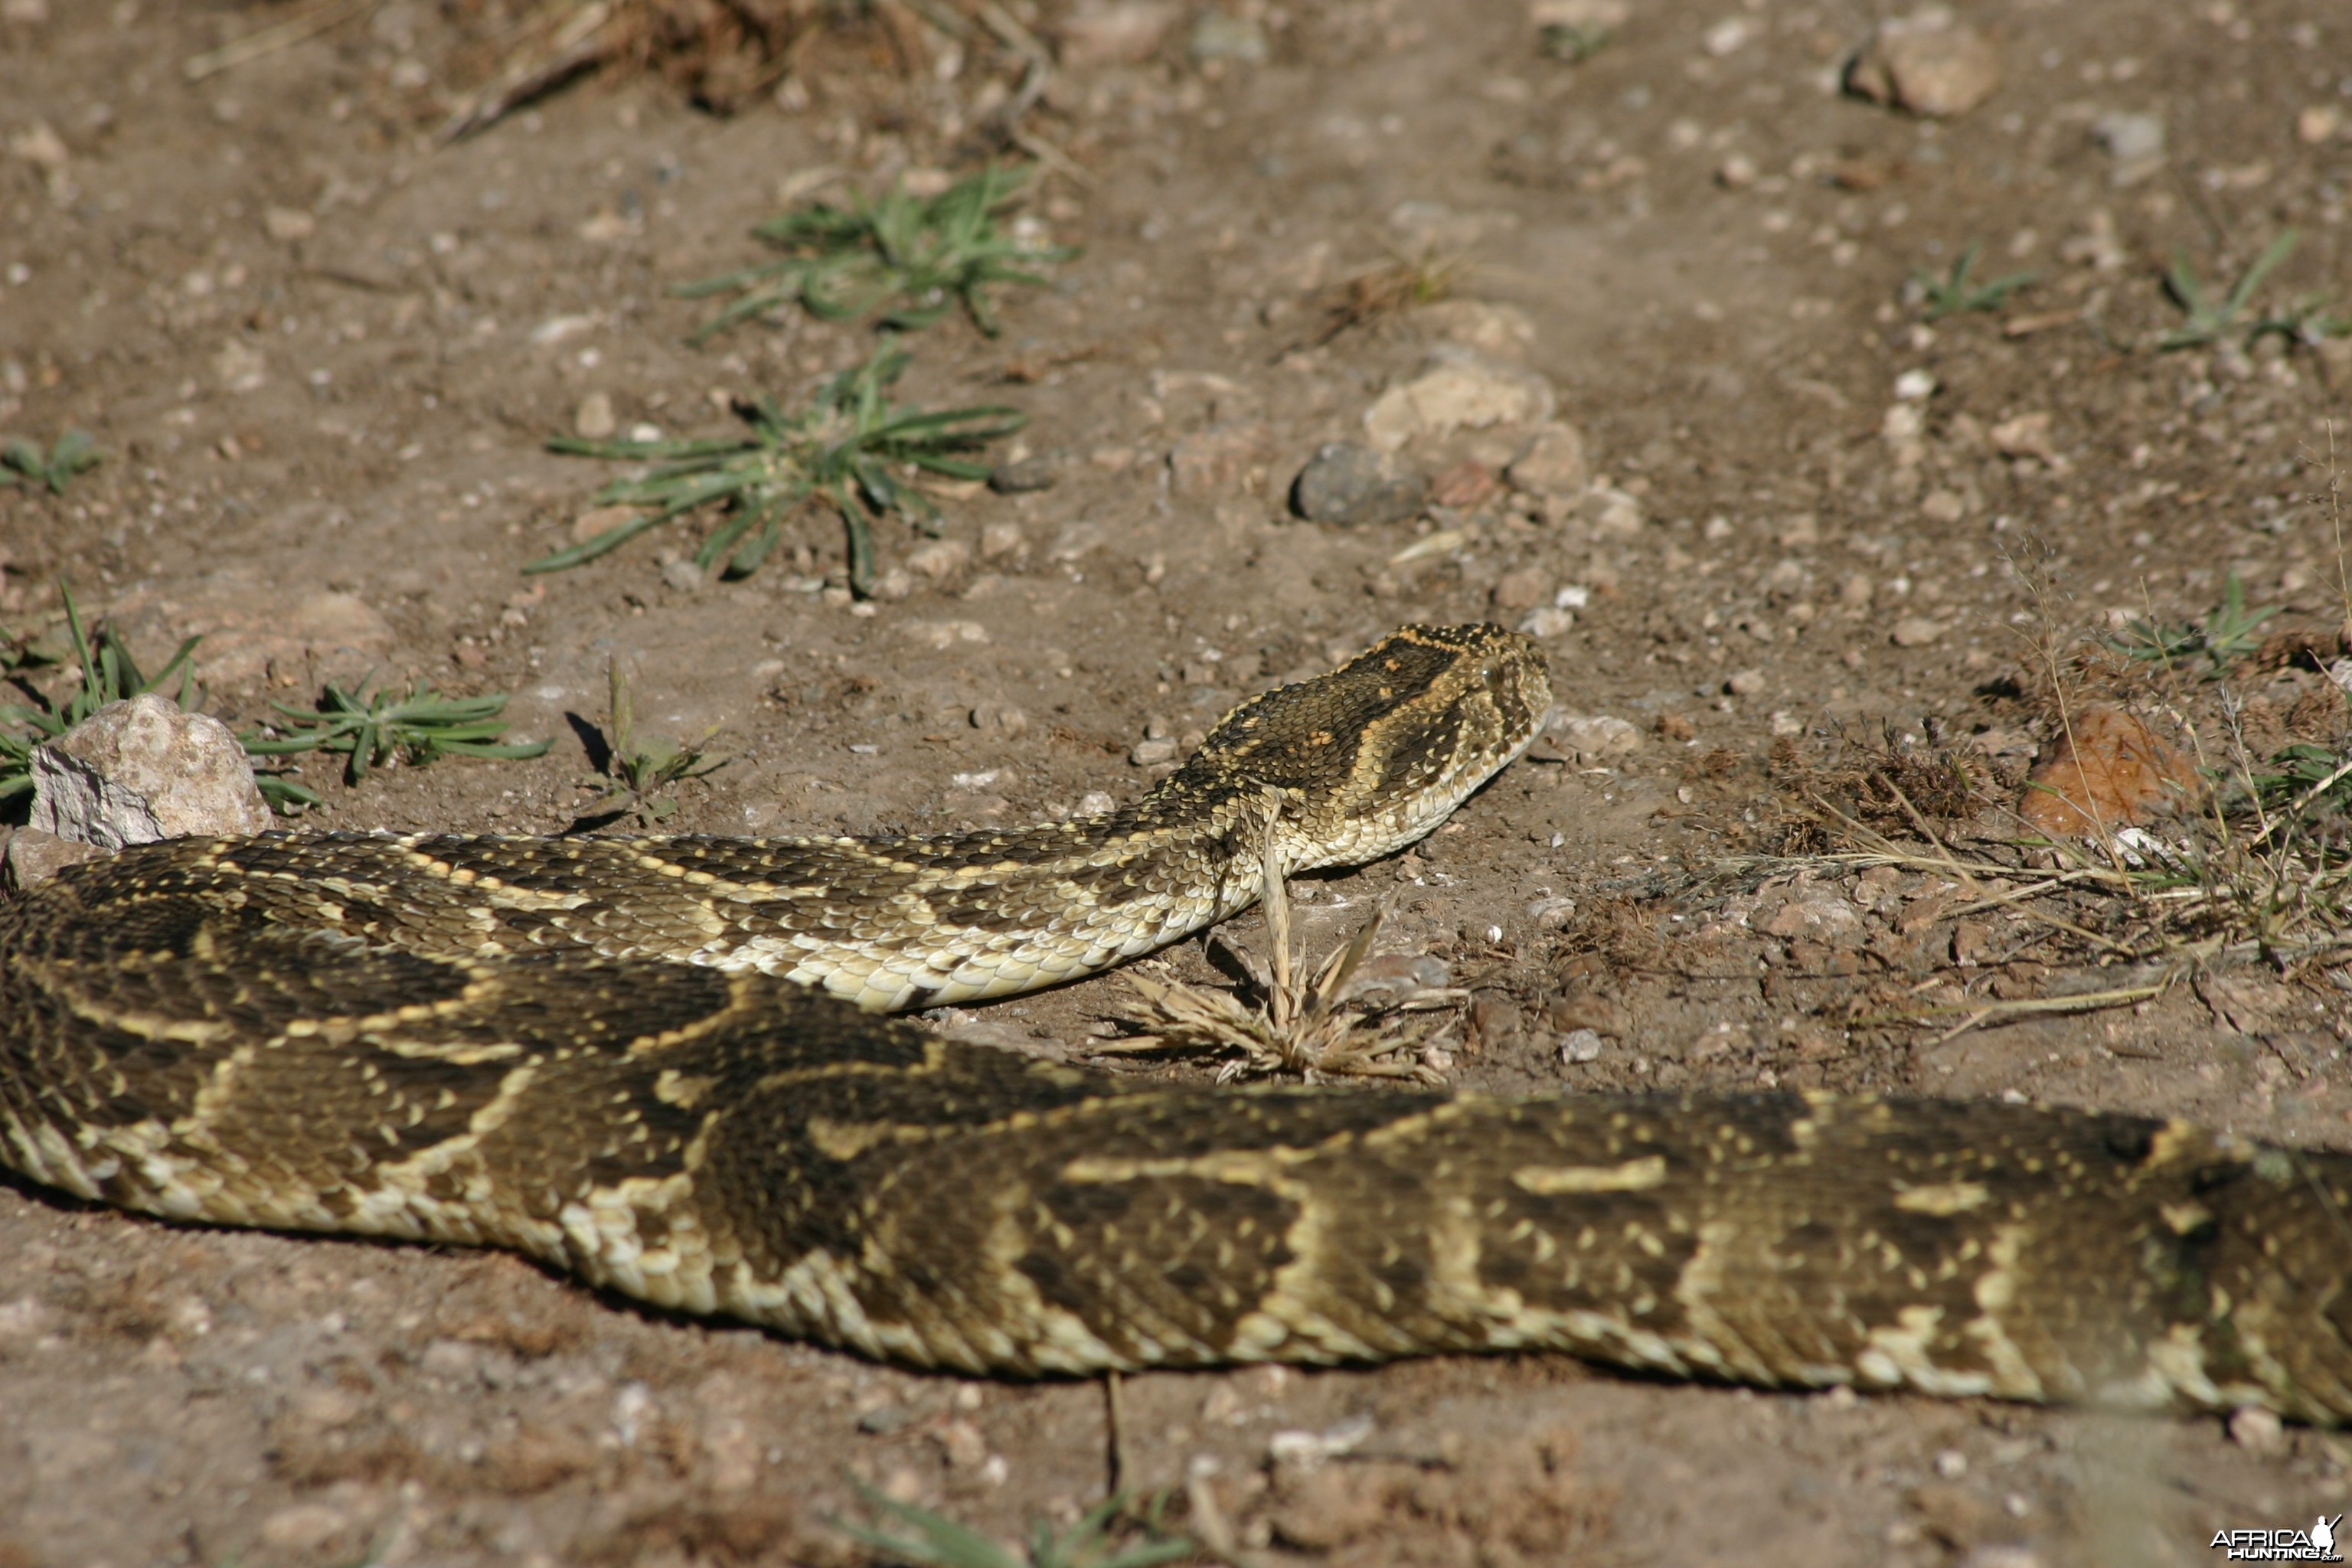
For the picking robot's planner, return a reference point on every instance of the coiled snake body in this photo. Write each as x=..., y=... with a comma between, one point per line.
x=615, y=1056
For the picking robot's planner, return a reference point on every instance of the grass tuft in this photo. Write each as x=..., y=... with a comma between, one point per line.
x=1381, y=293
x=1296, y=1025
x=844, y=446
x=908, y=258
x=635, y=773
x=2209, y=320
x=2225, y=636
x=371, y=729
x=22, y=462
x=108, y=674
x=935, y=1541
x=1956, y=293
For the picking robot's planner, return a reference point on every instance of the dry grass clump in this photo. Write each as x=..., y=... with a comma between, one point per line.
x=1292, y=1023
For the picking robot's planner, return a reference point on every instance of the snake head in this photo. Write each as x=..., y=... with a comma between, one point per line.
x=1372, y=756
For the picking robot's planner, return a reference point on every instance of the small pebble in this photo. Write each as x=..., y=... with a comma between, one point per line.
x=593, y=420
x=1917, y=631
x=682, y=574
x=1356, y=487
x=1150, y=754
x=2257, y=1431
x=1744, y=682
x=1030, y=474
x=1926, y=64
x=2135, y=140
x=1580, y=1046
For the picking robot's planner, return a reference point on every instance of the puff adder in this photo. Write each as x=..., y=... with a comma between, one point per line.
x=619, y=1056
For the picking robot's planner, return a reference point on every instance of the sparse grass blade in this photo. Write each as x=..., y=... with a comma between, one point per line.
x=108, y=674
x=844, y=446
x=2226, y=634
x=908, y=259
x=2207, y=319
x=1955, y=293
x=1307, y=1028
x=635, y=773
x=370, y=729
x=22, y=462
x=935, y=1541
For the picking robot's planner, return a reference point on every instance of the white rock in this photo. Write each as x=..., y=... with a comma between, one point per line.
x=940, y=558
x=1595, y=739
x=1460, y=389
x=1581, y=1046
x=594, y=420
x=142, y=770
x=1552, y=463
x=1547, y=622
x=1612, y=513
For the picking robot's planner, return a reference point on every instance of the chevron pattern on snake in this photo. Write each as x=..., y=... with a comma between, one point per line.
x=619, y=1058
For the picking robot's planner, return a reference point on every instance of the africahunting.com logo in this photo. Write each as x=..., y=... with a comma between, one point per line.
x=2316, y=1544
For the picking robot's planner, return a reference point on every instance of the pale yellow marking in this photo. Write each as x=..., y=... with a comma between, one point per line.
x=1944, y=1199
x=847, y=1140
x=2182, y=1219
x=684, y=1090
x=1632, y=1176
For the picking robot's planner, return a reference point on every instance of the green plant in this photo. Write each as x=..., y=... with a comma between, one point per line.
x=21, y=461
x=2224, y=637
x=843, y=444
x=1955, y=293
x=371, y=729
x=939, y=1541
x=2207, y=319
x=844, y=262
x=633, y=774
x=1295, y=1023
x=1573, y=42
x=2306, y=776
x=108, y=674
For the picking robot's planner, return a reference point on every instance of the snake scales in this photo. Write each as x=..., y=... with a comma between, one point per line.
x=495, y=1041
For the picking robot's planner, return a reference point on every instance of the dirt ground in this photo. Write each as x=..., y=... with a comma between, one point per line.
x=322, y=356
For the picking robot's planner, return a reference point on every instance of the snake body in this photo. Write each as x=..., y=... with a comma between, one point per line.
x=620, y=1057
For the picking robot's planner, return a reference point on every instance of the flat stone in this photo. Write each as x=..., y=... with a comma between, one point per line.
x=1120, y=32
x=142, y=770
x=940, y=558
x=34, y=857
x=1028, y=474
x=593, y=420
x=1552, y=463
x=2108, y=770
x=1917, y=631
x=1595, y=739
x=1356, y=487
x=1926, y=64
x=1459, y=389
